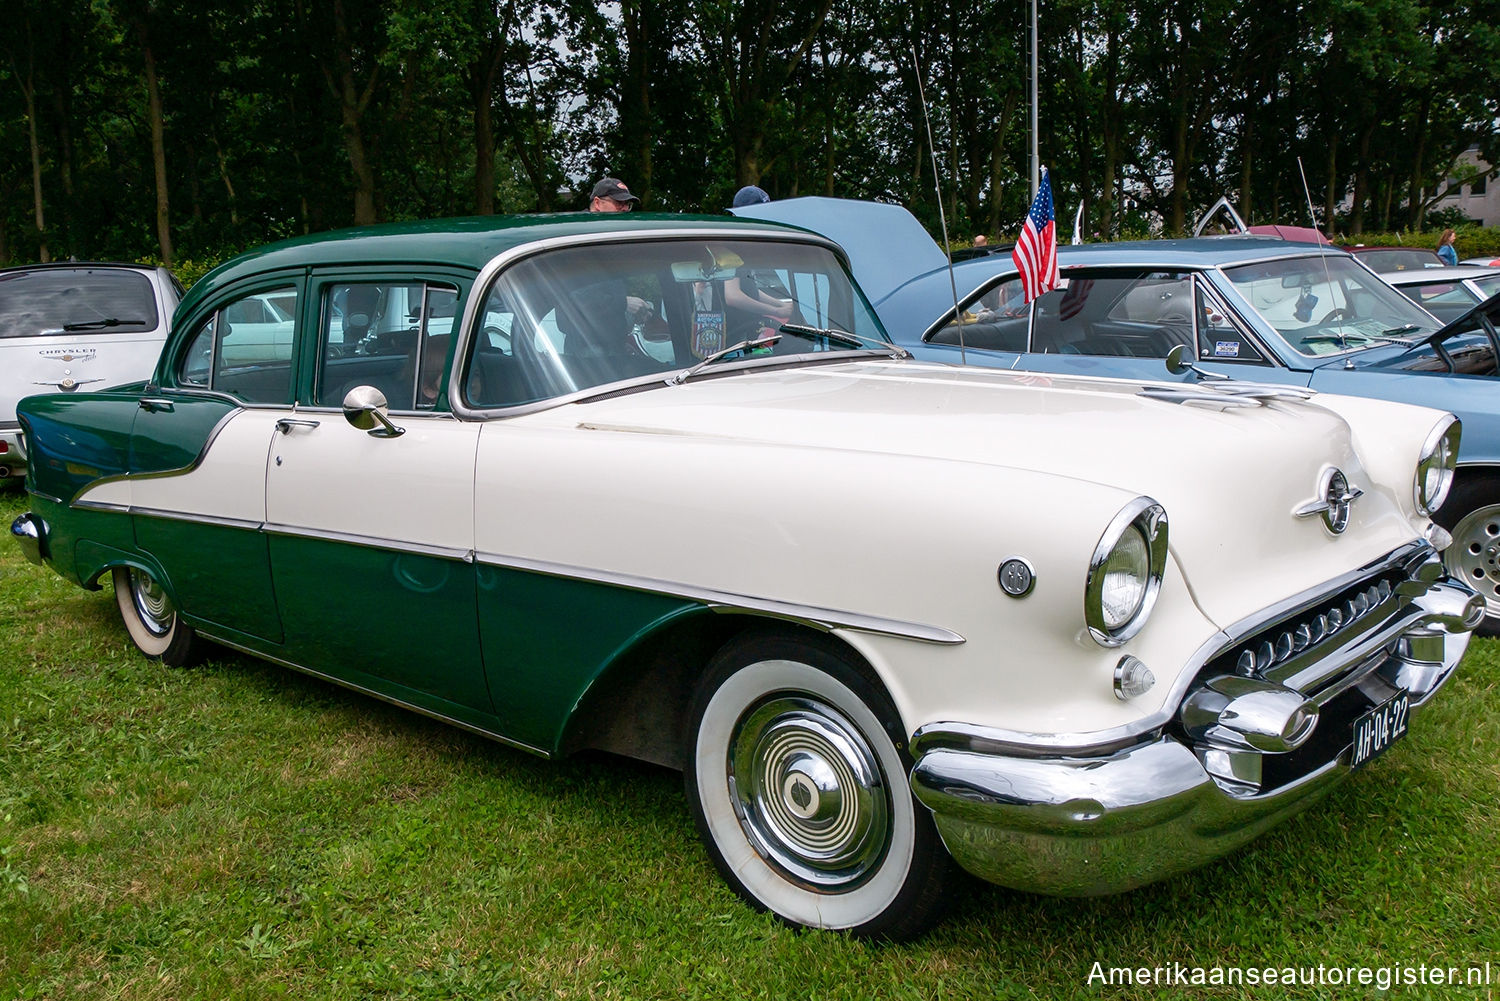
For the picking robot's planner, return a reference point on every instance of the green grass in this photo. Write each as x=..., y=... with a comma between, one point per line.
x=240, y=831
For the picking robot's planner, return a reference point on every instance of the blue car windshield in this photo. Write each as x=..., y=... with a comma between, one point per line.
x=1325, y=304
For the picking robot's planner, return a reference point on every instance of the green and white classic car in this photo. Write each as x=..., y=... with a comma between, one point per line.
x=662, y=486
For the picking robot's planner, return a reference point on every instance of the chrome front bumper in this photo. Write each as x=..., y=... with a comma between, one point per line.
x=1071, y=823
x=30, y=533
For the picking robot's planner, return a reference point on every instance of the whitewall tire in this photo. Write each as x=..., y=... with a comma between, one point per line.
x=798, y=781
x=153, y=623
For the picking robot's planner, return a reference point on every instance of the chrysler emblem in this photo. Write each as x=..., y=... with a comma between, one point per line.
x=69, y=354
x=1333, y=503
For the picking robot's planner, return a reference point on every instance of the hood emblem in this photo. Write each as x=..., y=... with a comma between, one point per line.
x=1334, y=501
x=69, y=354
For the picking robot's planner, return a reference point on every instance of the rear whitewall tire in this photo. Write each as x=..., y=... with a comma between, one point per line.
x=799, y=786
x=151, y=620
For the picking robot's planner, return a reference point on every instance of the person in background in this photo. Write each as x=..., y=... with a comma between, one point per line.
x=981, y=240
x=611, y=195
x=1446, y=250
x=750, y=195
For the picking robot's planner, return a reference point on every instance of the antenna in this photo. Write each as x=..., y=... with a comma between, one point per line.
x=1343, y=314
x=937, y=188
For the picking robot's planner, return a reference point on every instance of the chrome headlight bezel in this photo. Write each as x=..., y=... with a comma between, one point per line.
x=1147, y=517
x=1436, y=465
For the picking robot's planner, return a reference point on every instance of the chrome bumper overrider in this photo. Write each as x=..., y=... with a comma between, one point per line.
x=1245, y=749
x=30, y=533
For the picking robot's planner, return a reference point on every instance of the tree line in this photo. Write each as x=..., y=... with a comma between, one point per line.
x=170, y=128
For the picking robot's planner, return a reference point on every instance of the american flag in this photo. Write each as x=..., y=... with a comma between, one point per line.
x=1035, y=253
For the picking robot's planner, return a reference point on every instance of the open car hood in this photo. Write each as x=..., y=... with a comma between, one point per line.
x=886, y=245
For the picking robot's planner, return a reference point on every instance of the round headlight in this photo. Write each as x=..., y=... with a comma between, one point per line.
x=1435, y=466
x=1125, y=572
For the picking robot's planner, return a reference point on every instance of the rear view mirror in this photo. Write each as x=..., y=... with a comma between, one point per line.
x=364, y=408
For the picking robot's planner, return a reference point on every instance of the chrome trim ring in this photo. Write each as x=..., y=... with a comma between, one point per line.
x=1150, y=519
x=809, y=793
x=1440, y=449
x=151, y=603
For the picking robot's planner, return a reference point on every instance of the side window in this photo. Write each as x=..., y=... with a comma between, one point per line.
x=1142, y=315
x=245, y=348
x=997, y=318
x=1221, y=336
x=391, y=335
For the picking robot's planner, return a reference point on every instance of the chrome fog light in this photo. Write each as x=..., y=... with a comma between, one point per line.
x=1132, y=678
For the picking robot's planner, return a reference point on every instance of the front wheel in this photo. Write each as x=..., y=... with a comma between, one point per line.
x=1472, y=514
x=153, y=623
x=798, y=784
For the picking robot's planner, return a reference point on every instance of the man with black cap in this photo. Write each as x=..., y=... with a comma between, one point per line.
x=611, y=195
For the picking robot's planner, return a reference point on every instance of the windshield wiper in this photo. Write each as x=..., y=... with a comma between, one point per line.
x=843, y=337
x=757, y=342
x=109, y=321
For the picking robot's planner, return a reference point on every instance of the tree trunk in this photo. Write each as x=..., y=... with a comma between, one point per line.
x=158, y=144
x=28, y=89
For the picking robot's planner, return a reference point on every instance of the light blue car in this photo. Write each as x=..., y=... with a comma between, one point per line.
x=1256, y=309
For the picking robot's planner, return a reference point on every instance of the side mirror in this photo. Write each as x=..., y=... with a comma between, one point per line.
x=364, y=408
x=1179, y=361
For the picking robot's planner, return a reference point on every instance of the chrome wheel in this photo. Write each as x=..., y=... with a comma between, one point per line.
x=151, y=603
x=809, y=792
x=1474, y=555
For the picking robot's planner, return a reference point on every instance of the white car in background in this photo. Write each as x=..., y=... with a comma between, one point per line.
x=63, y=326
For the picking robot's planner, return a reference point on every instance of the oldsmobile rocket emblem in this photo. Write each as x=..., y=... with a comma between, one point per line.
x=1334, y=501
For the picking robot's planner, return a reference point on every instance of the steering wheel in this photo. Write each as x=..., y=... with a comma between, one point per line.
x=1339, y=312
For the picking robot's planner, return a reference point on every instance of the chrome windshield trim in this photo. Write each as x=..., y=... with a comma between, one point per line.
x=487, y=275
x=361, y=689
x=825, y=619
x=1096, y=742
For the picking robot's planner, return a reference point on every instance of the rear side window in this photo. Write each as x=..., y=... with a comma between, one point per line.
x=245, y=348
x=76, y=301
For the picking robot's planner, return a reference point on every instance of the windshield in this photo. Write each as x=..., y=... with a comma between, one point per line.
x=578, y=317
x=1326, y=304
x=75, y=301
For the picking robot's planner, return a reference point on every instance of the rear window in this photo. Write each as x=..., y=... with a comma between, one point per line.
x=76, y=301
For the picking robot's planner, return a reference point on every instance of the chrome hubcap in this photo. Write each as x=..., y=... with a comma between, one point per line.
x=809, y=792
x=151, y=603
x=1474, y=555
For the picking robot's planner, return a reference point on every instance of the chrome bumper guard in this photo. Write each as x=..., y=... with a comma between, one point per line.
x=30, y=533
x=1244, y=748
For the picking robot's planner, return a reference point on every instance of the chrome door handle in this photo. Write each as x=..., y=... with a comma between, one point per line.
x=286, y=424
x=155, y=405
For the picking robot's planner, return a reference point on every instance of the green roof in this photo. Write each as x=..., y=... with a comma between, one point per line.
x=466, y=243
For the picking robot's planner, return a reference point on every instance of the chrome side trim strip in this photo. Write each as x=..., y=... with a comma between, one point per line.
x=101, y=506
x=825, y=619
x=361, y=689
x=159, y=474
x=370, y=542
x=197, y=519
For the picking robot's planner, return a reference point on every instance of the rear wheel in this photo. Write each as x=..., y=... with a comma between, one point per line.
x=153, y=623
x=798, y=781
x=1472, y=514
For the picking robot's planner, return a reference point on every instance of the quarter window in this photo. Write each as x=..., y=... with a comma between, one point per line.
x=245, y=348
x=393, y=336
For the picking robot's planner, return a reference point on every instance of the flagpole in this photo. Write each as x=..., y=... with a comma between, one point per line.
x=1036, y=161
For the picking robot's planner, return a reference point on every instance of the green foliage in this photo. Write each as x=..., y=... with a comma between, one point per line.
x=283, y=117
x=238, y=831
